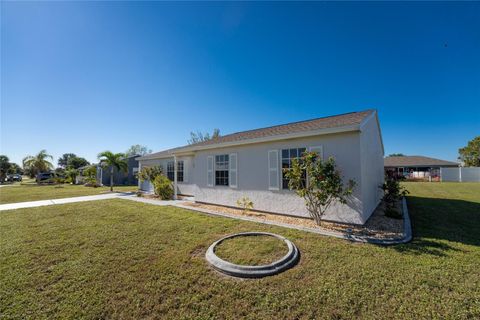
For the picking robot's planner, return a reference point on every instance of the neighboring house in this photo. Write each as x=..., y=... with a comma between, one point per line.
x=119, y=178
x=249, y=163
x=416, y=167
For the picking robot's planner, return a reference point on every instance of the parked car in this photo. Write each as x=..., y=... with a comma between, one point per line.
x=14, y=177
x=45, y=176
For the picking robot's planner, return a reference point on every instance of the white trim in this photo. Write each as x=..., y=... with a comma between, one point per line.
x=365, y=121
x=274, y=154
x=175, y=192
x=233, y=171
x=185, y=176
x=210, y=163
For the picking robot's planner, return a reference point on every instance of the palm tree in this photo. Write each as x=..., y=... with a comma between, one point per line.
x=113, y=160
x=38, y=163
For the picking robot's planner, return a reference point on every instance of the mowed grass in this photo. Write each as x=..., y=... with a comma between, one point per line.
x=251, y=250
x=32, y=192
x=121, y=259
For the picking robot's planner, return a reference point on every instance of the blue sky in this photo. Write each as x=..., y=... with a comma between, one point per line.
x=85, y=77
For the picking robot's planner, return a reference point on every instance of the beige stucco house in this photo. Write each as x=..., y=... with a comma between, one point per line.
x=249, y=163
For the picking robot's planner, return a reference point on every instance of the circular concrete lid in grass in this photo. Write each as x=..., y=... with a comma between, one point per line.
x=252, y=254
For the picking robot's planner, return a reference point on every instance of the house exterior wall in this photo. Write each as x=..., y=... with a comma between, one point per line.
x=358, y=155
x=371, y=156
x=253, y=176
x=186, y=187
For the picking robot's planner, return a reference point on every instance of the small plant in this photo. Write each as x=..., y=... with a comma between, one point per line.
x=392, y=193
x=323, y=187
x=163, y=187
x=245, y=203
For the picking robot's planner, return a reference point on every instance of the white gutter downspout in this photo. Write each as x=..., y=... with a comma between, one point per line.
x=174, y=177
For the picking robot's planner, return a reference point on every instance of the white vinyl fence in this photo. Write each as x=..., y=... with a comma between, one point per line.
x=460, y=174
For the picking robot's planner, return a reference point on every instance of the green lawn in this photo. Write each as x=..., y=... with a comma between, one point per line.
x=121, y=259
x=32, y=192
x=251, y=250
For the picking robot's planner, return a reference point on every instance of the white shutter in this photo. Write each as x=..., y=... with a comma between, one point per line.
x=318, y=150
x=185, y=173
x=210, y=171
x=232, y=168
x=273, y=173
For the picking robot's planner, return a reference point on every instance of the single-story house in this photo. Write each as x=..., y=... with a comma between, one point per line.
x=128, y=177
x=249, y=164
x=416, y=167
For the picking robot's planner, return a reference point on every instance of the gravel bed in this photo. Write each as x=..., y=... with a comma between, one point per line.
x=378, y=225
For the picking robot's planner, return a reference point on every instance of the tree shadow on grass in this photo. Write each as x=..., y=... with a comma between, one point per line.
x=425, y=246
x=436, y=219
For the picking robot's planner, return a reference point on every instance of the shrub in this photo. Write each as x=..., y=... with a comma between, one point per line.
x=59, y=180
x=149, y=173
x=324, y=184
x=245, y=203
x=163, y=187
x=91, y=182
x=71, y=175
x=392, y=193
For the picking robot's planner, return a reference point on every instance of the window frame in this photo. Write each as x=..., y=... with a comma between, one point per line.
x=171, y=170
x=180, y=173
x=283, y=180
x=224, y=171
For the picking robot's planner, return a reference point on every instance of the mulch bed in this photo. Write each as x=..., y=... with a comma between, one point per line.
x=378, y=225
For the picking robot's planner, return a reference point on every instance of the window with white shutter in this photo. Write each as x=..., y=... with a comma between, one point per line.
x=210, y=171
x=233, y=170
x=273, y=175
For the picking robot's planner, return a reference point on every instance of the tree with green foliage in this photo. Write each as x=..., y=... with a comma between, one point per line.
x=113, y=160
x=77, y=162
x=38, y=163
x=396, y=155
x=137, y=149
x=392, y=193
x=470, y=154
x=15, y=169
x=5, y=166
x=63, y=160
x=196, y=137
x=318, y=182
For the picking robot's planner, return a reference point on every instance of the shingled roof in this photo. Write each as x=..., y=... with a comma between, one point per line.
x=417, y=161
x=338, y=121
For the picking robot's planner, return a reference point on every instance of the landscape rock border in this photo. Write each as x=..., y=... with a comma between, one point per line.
x=406, y=237
x=245, y=271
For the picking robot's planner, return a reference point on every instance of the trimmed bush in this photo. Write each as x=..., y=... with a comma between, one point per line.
x=163, y=187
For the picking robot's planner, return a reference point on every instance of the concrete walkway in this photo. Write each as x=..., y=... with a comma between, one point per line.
x=40, y=203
